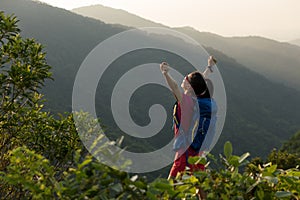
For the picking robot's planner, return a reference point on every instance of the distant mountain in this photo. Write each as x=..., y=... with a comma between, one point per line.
x=279, y=62
x=261, y=114
x=296, y=42
x=115, y=16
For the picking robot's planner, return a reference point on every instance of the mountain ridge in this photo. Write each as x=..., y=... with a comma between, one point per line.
x=295, y=42
x=101, y=12
x=273, y=59
x=69, y=37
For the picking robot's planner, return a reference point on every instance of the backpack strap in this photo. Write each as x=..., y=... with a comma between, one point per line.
x=176, y=119
x=204, y=123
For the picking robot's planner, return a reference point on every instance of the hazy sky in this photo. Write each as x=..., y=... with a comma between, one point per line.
x=276, y=19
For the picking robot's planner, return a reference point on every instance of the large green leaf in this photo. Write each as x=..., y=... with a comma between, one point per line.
x=283, y=194
x=228, y=149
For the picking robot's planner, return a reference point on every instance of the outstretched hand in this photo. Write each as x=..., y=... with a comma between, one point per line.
x=211, y=61
x=164, y=67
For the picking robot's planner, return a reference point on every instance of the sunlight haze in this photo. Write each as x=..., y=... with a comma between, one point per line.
x=272, y=19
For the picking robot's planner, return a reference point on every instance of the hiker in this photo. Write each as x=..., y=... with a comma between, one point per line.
x=195, y=90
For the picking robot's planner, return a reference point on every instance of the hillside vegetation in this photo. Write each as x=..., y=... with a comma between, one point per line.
x=42, y=156
x=261, y=114
x=277, y=61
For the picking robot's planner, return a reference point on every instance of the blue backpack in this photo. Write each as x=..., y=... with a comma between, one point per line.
x=203, y=117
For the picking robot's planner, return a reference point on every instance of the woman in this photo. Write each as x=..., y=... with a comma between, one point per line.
x=193, y=85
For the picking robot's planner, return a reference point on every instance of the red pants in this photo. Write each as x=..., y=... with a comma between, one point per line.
x=181, y=162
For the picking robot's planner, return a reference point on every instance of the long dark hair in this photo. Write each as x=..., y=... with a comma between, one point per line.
x=199, y=85
x=210, y=87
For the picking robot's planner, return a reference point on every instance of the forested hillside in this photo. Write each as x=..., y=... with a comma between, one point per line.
x=42, y=156
x=277, y=61
x=261, y=114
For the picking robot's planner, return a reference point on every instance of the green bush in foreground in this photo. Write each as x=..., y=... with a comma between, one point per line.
x=23, y=70
x=89, y=179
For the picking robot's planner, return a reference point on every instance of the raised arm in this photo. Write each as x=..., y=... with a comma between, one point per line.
x=164, y=67
x=210, y=63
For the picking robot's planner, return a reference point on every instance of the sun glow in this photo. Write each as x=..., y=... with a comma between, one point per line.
x=268, y=18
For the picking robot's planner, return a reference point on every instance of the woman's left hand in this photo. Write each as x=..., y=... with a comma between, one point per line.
x=164, y=67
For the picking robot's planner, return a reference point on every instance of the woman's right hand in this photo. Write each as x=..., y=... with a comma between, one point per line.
x=211, y=61
x=164, y=67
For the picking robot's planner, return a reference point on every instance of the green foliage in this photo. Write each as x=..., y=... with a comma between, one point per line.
x=32, y=175
x=89, y=179
x=228, y=150
x=268, y=182
x=31, y=172
x=22, y=121
x=293, y=144
x=283, y=159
